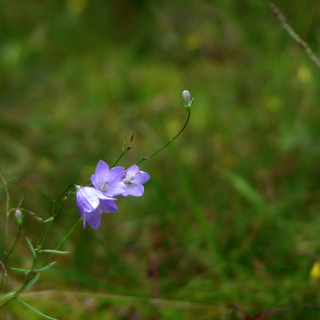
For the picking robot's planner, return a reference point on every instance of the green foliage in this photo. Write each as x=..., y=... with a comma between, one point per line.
x=35, y=310
x=229, y=223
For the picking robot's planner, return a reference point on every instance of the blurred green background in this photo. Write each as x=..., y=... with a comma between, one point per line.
x=229, y=223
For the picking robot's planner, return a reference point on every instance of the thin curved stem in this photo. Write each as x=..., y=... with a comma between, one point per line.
x=121, y=155
x=151, y=155
x=281, y=18
x=17, y=237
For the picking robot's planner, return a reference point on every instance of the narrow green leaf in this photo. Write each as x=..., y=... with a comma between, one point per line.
x=7, y=295
x=32, y=281
x=49, y=219
x=45, y=267
x=21, y=270
x=31, y=247
x=55, y=251
x=243, y=187
x=35, y=310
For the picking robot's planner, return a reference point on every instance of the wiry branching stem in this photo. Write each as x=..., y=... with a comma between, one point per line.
x=280, y=17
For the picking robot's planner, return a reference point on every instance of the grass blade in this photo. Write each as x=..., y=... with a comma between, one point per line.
x=45, y=267
x=32, y=281
x=31, y=247
x=55, y=251
x=7, y=295
x=21, y=270
x=244, y=189
x=35, y=310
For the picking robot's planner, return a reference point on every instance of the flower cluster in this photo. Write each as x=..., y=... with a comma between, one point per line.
x=107, y=184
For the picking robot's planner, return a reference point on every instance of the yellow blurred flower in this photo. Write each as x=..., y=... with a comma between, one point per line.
x=315, y=271
x=192, y=42
x=76, y=6
x=273, y=104
x=45, y=165
x=304, y=74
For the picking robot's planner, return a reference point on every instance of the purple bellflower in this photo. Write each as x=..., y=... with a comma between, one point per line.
x=134, y=180
x=92, y=203
x=107, y=180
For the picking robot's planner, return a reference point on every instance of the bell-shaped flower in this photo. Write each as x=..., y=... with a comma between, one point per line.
x=134, y=180
x=107, y=180
x=92, y=203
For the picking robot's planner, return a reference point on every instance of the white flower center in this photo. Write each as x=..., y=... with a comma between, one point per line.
x=104, y=187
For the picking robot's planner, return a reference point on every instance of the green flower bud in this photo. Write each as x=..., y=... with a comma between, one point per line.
x=186, y=96
x=187, y=99
x=18, y=216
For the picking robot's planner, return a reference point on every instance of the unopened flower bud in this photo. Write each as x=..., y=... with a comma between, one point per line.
x=18, y=216
x=186, y=96
x=187, y=99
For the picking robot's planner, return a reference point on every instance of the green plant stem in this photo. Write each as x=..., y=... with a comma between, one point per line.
x=17, y=237
x=42, y=242
x=62, y=242
x=151, y=155
x=4, y=274
x=123, y=152
x=32, y=275
x=46, y=234
x=281, y=18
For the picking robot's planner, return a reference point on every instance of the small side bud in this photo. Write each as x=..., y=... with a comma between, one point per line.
x=18, y=216
x=186, y=96
x=66, y=196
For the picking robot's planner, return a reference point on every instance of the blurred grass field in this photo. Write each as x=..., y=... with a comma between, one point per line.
x=229, y=224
